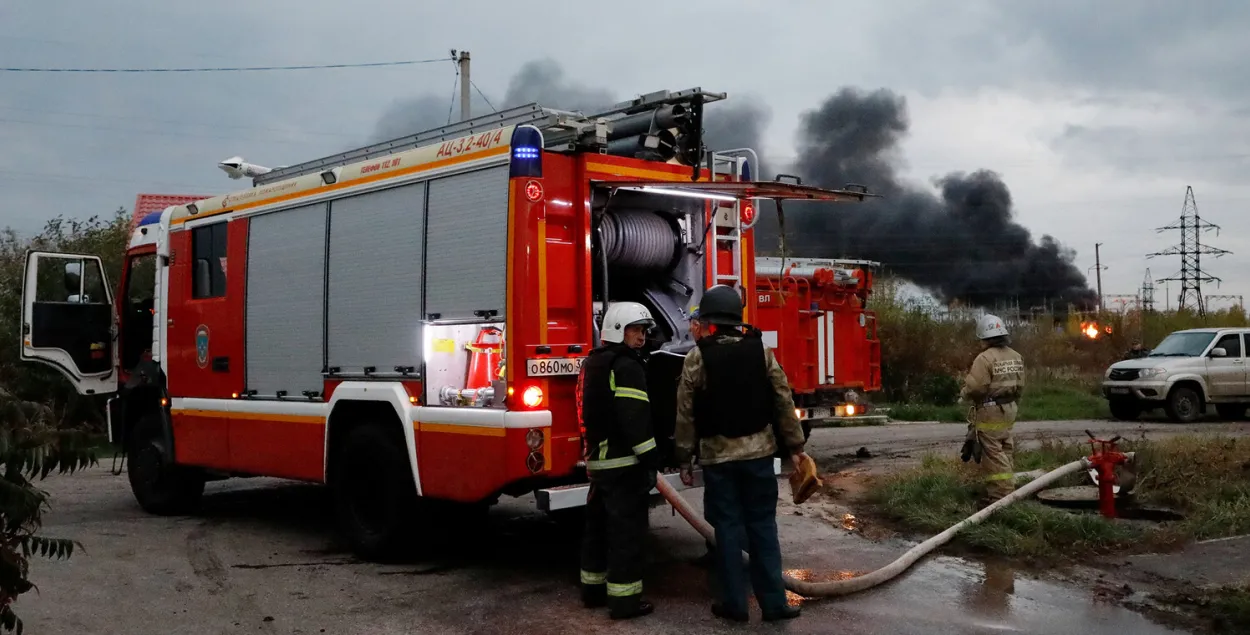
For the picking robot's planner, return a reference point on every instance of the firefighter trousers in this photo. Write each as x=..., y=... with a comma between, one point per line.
x=612, y=543
x=996, y=464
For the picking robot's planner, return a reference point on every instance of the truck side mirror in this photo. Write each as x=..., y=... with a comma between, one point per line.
x=73, y=278
x=1219, y=352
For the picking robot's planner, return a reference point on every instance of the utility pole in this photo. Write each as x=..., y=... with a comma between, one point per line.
x=1148, y=293
x=1098, y=268
x=462, y=59
x=1191, y=250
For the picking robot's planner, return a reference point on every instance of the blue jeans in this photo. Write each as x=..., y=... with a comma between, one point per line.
x=740, y=502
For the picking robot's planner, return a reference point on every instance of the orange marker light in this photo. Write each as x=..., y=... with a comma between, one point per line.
x=748, y=213
x=532, y=397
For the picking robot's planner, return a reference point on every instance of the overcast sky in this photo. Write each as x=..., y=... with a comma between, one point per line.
x=1096, y=114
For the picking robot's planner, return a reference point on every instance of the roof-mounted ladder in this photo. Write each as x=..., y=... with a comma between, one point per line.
x=562, y=130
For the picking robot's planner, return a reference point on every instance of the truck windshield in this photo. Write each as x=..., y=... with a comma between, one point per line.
x=1183, y=345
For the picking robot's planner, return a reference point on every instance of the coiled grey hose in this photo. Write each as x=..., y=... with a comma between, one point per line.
x=637, y=240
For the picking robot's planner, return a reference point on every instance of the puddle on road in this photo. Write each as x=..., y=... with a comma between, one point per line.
x=960, y=596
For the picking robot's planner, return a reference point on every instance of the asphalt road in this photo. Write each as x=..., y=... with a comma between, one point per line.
x=260, y=558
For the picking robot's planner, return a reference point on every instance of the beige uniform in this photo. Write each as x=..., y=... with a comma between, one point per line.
x=993, y=386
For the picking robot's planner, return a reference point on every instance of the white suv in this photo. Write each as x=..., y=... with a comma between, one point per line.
x=1185, y=372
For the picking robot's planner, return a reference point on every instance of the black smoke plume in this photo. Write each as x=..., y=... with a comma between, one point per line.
x=961, y=243
x=735, y=123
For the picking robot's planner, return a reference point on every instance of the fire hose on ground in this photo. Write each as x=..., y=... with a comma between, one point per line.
x=890, y=571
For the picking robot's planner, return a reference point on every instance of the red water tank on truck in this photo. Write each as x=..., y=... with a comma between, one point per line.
x=406, y=321
x=814, y=313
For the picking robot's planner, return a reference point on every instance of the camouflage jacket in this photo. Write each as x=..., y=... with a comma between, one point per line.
x=719, y=449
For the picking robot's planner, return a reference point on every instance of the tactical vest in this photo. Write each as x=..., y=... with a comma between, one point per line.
x=736, y=399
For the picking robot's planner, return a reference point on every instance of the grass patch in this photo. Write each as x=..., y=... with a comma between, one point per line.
x=1206, y=479
x=941, y=492
x=1045, y=399
x=1229, y=609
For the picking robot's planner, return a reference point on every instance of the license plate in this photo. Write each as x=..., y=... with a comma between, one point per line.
x=554, y=366
x=819, y=413
x=1119, y=391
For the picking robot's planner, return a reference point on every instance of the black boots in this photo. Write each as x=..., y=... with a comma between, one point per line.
x=594, y=597
x=630, y=610
x=733, y=616
x=786, y=613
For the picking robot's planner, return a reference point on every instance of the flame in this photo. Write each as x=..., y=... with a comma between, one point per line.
x=1090, y=330
x=849, y=522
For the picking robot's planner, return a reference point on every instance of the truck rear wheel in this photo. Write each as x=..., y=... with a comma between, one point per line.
x=375, y=499
x=1184, y=405
x=1125, y=409
x=160, y=486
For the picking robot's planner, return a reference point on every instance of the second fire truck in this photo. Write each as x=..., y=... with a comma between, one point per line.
x=405, y=320
x=814, y=313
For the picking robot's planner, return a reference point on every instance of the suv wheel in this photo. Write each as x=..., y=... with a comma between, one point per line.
x=1125, y=409
x=1184, y=405
x=1231, y=411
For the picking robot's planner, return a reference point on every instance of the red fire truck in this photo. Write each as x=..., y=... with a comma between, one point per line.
x=405, y=320
x=814, y=314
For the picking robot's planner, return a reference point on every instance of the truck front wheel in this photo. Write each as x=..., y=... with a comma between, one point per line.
x=375, y=499
x=159, y=485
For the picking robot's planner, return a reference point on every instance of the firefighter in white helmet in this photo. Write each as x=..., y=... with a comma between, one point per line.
x=621, y=459
x=993, y=387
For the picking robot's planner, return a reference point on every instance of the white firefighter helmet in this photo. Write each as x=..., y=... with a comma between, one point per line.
x=621, y=315
x=990, y=326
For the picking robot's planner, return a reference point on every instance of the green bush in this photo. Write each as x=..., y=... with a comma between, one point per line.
x=924, y=357
x=103, y=237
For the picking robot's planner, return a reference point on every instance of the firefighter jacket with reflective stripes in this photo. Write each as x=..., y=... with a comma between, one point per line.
x=615, y=410
x=993, y=386
x=696, y=384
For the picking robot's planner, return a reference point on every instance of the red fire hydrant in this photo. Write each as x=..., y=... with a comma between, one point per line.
x=1105, y=458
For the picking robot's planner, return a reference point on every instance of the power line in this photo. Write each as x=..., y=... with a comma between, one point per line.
x=483, y=95
x=222, y=69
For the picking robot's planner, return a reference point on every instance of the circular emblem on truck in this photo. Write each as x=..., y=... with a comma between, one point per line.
x=534, y=191
x=201, y=346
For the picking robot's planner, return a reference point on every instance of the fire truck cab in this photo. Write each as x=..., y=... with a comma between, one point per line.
x=406, y=320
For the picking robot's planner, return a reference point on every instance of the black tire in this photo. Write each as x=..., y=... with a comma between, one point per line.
x=1125, y=409
x=1184, y=405
x=1231, y=411
x=375, y=499
x=160, y=487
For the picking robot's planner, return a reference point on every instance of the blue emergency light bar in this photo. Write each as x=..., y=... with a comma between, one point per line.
x=527, y=152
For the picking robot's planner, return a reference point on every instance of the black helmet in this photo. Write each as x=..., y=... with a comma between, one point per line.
x=721, y=305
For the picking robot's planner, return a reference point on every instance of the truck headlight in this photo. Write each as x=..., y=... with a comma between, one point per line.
x=1147, y=373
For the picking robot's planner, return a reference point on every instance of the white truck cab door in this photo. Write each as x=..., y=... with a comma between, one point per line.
x=68, y=319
